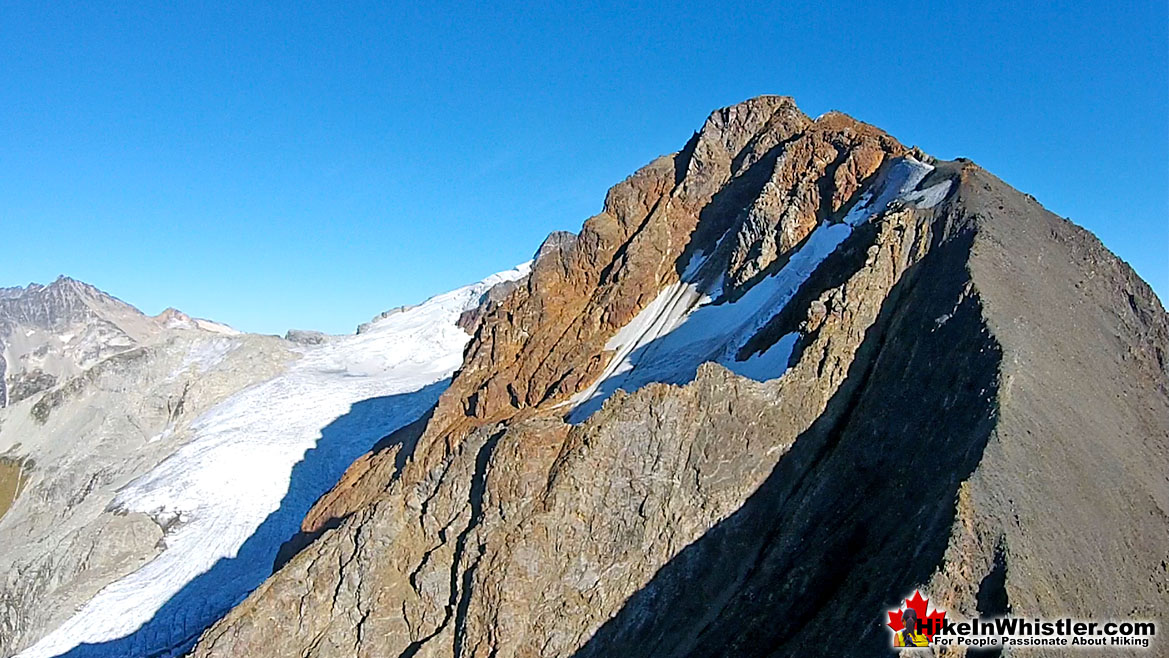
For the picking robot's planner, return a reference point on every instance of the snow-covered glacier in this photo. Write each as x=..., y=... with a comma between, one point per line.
x=256, y=462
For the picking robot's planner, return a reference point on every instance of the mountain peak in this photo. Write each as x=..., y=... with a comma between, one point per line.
x=757, y=108
x=65, y=282
x=170, y=314
x=55, y=331
x=173, y=318
x=872, y=294
x=795, y=367
x=555, y=241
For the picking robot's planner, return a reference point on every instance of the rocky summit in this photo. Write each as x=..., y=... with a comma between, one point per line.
x=787, y=376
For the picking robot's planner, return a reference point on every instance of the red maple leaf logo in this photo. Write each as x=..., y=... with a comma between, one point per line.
x=930, y=623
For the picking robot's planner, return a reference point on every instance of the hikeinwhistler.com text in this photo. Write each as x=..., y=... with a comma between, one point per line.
x=1019, y=632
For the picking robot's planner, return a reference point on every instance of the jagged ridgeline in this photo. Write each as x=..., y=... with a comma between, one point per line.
x=787, y=375
x=920, y=377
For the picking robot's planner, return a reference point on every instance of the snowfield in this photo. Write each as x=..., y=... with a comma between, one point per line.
x=254, y=465
x=682, y=329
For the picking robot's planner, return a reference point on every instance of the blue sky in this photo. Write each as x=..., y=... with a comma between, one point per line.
x=275, y=167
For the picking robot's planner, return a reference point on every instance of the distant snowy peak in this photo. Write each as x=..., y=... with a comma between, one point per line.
x=61, y=304
x=49, y=333
x=67, y=302
x=52, y=332
x=172, y=318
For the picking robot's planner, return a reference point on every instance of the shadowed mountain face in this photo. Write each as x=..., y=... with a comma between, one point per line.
x=788, y=375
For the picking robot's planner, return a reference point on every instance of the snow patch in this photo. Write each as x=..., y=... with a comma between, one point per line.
x=216, y=327
x=682, y=327
x=205, y=355
x=769, y=364
x=930, y=196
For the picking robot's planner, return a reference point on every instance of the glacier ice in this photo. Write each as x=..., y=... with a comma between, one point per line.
x=255, y=464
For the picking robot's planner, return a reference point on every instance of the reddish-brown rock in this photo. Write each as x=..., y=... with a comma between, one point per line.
x=976, y=404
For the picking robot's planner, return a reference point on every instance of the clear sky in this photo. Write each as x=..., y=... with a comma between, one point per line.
x=312, y=166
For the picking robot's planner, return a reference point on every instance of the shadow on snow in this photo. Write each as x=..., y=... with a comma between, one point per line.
x=205, y=599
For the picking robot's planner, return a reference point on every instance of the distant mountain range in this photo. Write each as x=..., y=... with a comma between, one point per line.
x=52, y=332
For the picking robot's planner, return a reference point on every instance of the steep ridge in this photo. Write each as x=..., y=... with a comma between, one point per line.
x=761, y=169
x=548, y=341
x=969, y=394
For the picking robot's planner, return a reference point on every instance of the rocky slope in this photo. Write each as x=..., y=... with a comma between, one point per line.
x=807, y=370
x=87, y=439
